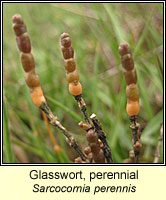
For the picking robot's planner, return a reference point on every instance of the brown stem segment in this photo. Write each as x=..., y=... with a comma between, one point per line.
x=98, y=154
x=102, y=137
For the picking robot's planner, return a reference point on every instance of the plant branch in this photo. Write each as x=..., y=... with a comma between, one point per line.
x=102, y=137
x=82, y=106
x=53, y=120
x=136, y=143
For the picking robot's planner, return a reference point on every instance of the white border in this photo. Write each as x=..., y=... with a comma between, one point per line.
x=59, y=164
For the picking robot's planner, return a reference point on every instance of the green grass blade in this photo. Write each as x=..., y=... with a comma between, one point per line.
x=143, y=35
x=76, y=117
x=110, y=9
x=28, y=147
x=95, y=82
x=6, y=137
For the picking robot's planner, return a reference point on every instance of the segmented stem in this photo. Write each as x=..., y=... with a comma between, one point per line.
x=72, y=75
x=33, y=81
x=73, y=79
x=27, y=60
x=102, y=137
x=132, y=93
x=94, y=149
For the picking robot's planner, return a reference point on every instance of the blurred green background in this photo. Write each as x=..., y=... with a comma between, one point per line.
x=96, y=30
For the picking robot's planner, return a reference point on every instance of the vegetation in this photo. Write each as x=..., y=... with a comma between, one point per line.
x=96, y=31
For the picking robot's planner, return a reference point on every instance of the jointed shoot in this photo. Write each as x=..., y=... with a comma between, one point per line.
x=33, y=81
x=97, y=150
x=75, y=89
x=132, y=93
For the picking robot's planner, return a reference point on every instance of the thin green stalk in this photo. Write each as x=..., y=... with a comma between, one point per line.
x=6, y=138
x=111, y=11
x=143, y=35
x=95, y=82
